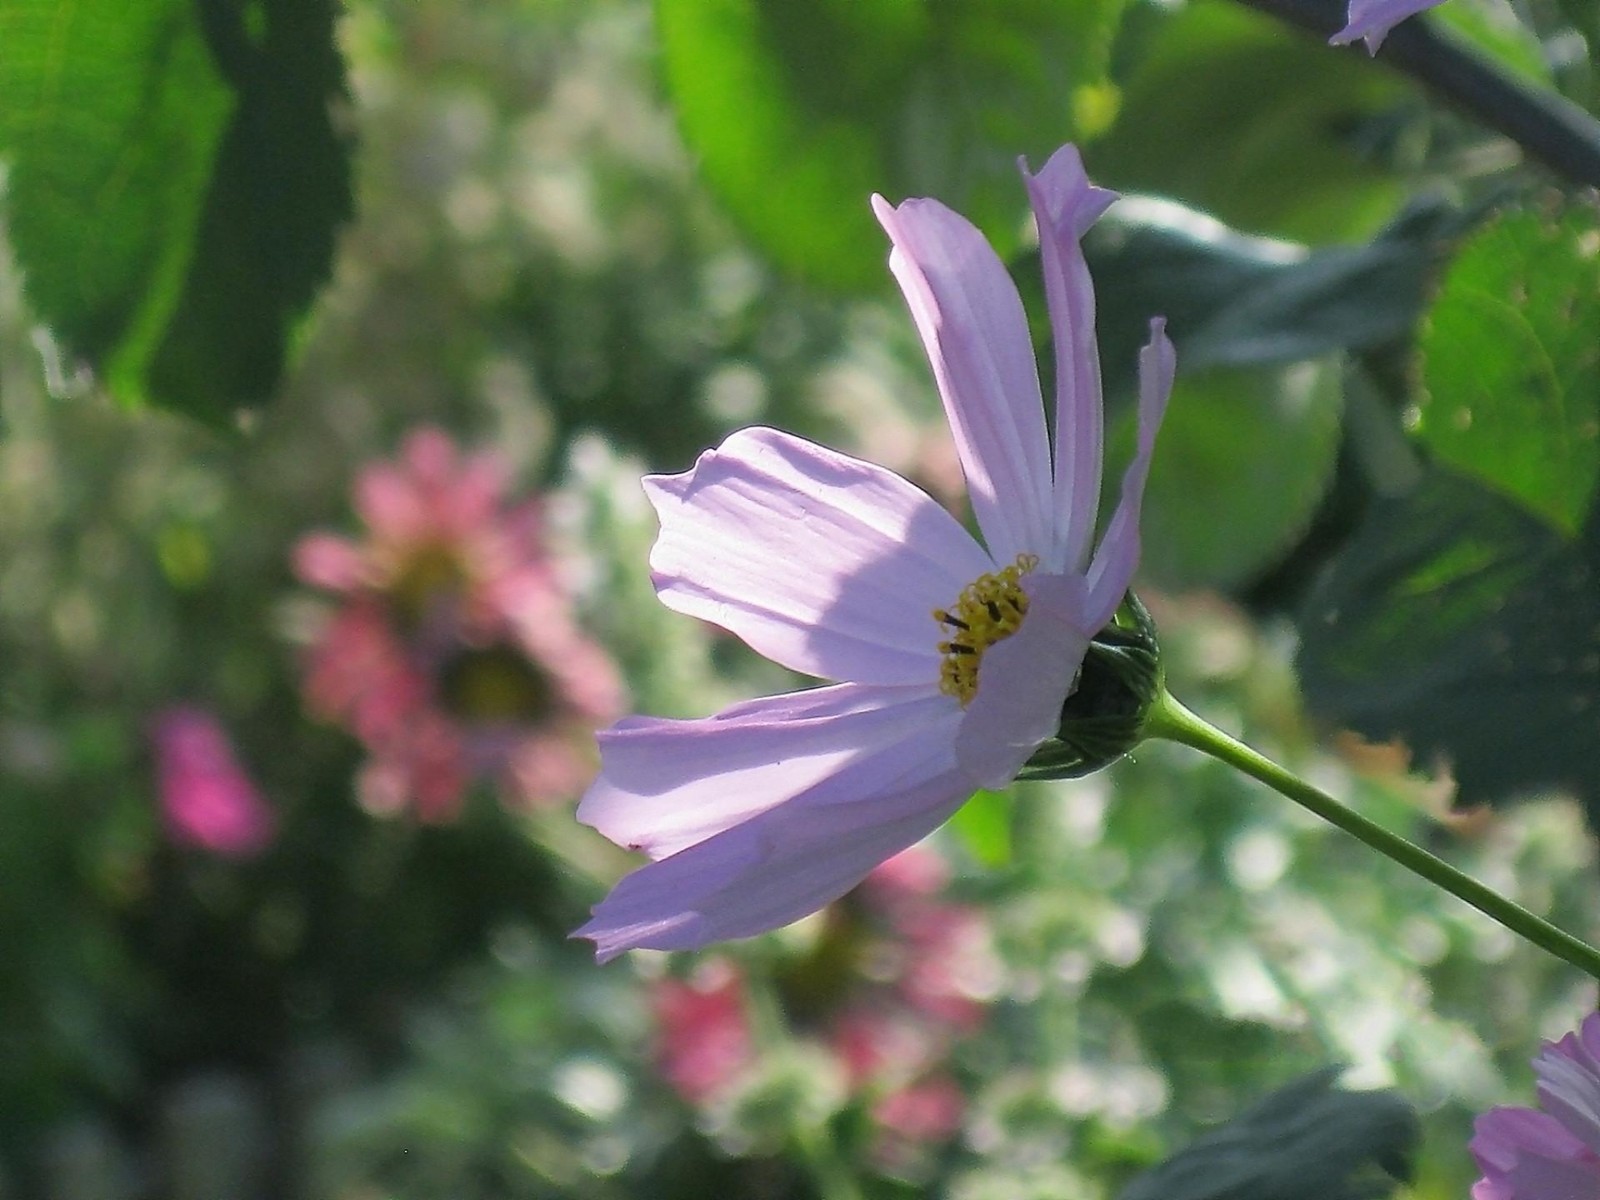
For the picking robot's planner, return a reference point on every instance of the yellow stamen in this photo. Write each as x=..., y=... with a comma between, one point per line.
x=989, y=609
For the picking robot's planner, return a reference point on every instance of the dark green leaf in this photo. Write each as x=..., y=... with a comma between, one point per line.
x=1304, y=1141
x=800, y=109
x=175, y=183
x=1233, y=113
x=1234, y=300
x=1511, y=362
x=1461, y=624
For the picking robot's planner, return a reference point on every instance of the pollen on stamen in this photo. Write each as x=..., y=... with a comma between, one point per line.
x=989, y=609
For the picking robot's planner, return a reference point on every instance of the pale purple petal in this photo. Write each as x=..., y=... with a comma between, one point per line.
x=1065, y=205
x=1024, y=680
x=1118, y=556
x=1371, y=20
x=971, y=320
x=789, y=861
x=826, y=564
x=665, y=785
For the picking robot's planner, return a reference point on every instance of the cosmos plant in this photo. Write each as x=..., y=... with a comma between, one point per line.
x=953, y=658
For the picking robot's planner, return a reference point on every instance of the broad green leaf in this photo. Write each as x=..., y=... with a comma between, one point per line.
x=1243, y=460
x=112, y=115
x=1511, y=362
x=1464, y=626
x=174, y=185
x=1233, y=113
x=800, y=109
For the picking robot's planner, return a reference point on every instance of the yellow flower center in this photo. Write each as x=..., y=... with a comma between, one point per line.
x=989, y=609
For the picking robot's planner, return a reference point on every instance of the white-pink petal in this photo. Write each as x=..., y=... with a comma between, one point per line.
x=666, y=785
x=789, y=861
x=823, y=563
x=971, y=320
x=1024, y=680
x=1065, y=205
x=1118, y=555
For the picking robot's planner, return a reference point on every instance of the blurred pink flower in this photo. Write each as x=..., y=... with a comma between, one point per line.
x=207, y=801
x=1553, y=1154
x=454, y=654
x=930, y=1110
x=861, y=996
x=702, y=1031
x=1371, y=20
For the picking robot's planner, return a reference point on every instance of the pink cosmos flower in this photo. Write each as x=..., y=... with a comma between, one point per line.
x=207, y=801
x=454, y=654
x=1554, y=1154
x=1371, y=20
x=860, y=997
x=954, y=657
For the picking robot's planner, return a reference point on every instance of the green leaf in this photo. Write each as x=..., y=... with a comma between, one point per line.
x=1243, y=459
x=1511, y=362
x=1232, y=113
x=983, y=824
x=800, y=109
x=1235, y=300
x=174, y=185
x=113, y=112
x=1492, y=26
x=1464, y=626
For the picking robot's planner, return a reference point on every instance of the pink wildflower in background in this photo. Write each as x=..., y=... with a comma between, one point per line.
x=207, y=800
x=861, y=996
x=1371, y=20
x=1552, y=1152
x=955, y=658
x=703, y=1041
x=453, y=655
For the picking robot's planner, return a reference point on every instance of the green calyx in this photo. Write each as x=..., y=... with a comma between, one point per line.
x=1105, y=715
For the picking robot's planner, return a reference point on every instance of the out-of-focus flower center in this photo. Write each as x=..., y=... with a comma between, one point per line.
x=496, y=684
x=426, y=573
x=989, y=609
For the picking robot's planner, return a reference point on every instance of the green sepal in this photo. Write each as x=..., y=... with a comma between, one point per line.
x=1105, y=714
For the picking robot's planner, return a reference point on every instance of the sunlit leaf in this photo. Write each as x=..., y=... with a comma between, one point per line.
x=800, y=109
x=1511, y=362
x=1239, y=116
x=983, y=824
x=174, y=183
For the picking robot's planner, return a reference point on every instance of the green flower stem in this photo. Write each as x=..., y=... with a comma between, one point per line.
x=1548, y=127
x=1170, y=720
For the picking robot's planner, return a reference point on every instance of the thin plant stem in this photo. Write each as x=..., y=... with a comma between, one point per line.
x=1171, y=720
x=1548, y=127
